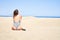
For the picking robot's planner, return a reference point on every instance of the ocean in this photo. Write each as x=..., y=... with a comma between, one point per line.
x=47, y=16
x=36, y=16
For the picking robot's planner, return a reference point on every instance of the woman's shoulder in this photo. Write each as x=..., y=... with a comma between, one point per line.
x=19, y=16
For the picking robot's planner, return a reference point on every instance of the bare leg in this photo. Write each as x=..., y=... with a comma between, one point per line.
x=20, y=28
x=13, y=28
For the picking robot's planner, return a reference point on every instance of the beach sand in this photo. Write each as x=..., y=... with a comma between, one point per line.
x=36, y=29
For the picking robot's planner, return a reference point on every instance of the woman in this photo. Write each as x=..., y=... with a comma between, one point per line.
x=17, y=21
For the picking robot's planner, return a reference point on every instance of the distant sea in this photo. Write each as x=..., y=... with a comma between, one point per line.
x=47, y=16
x=36, y=16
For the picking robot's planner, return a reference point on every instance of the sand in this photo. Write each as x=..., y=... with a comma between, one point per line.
x=36, y=29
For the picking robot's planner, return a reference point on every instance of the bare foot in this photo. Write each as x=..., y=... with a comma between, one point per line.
x=21, y=29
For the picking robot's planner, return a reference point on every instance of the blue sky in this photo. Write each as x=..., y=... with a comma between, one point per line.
x=30, y=7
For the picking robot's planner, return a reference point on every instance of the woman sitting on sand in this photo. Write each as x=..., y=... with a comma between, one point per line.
x=17, y=21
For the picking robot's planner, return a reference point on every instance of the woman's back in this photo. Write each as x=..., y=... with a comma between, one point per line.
x=17, y=18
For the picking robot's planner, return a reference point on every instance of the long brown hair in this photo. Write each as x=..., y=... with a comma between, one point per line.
x=15, y=13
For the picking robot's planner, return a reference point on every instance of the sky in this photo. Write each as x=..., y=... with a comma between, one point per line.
x=30, y=7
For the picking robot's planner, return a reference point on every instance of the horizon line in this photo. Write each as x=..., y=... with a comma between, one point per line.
x=36, y=16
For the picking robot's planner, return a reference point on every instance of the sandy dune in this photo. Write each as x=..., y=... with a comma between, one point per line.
x=36, y=29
